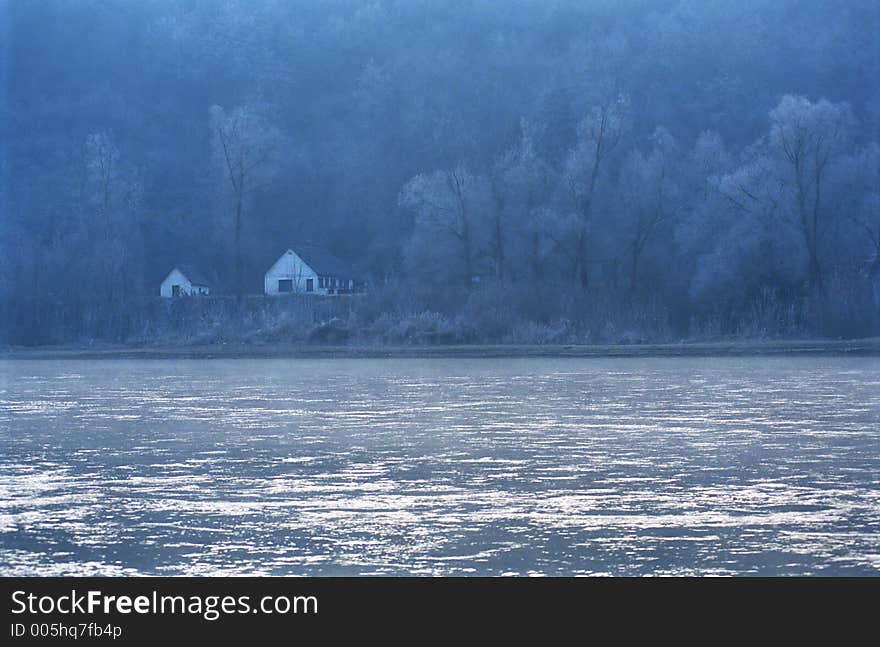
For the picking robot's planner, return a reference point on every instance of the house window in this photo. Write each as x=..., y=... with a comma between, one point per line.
x=285, y=285
x=175, y=290
x=310, y=285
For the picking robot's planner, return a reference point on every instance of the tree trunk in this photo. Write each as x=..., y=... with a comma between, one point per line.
x=581, y=272
x=499, y=250
x=239, y=287
x=537, y=270
x=809, y=226
x=634, y=269
x=499, y=234
x=466, y=245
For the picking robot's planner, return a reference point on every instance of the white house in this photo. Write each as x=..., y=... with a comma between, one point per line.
x=184, y=280
x=309, y=270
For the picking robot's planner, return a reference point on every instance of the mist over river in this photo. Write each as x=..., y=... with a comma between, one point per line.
x=636, y=466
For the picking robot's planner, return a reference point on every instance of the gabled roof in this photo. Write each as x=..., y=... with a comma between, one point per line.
x=193, y=274
x=323, y=262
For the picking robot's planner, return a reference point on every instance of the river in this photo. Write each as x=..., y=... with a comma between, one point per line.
x=636, y=466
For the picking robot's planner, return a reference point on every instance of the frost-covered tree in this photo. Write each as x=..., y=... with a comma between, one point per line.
x=781, y=194
x=808, y=137
x=449, y=208
x=519, y=183
x=854, y=195
x=650, y=193
x=598, y=135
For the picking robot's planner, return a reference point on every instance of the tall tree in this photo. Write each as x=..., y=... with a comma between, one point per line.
x=809, y=137
x=519, y=181
x=111, y=201
x=449, y=207
x=649, y=189
x=598, y=135
x=246, y=145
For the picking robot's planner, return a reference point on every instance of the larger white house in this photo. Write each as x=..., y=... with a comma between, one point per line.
x=309, y=270
x=184, y=280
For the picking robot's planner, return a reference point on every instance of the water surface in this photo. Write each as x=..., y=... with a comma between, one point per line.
x=761, y=466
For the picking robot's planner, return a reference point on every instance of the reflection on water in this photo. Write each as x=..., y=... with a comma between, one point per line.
x=443, y=467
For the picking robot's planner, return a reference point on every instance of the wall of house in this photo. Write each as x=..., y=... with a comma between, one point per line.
x=290, y=266
x=176, y=277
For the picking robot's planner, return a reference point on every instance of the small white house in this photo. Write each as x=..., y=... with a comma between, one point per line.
x=184, y=280
x=309, y=270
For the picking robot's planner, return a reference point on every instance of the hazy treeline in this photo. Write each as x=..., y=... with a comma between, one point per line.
x=522, y=171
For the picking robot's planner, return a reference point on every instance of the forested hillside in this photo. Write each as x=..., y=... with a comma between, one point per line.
x=516, y=171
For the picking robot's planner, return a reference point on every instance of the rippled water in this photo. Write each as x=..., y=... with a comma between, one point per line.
x=455, y=467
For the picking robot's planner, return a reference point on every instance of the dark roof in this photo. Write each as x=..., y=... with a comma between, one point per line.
x=323, y=262
x=193, y=274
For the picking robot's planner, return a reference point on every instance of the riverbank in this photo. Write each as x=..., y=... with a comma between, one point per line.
x=243, y=351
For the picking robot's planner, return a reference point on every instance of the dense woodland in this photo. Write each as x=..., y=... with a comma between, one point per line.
x=523, y=171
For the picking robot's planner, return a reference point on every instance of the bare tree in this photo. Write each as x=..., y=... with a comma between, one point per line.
x=519, y=180
x=245, y=148
x=447, y=204
x=110, y=188
x=809, y=136
x=110, y=200
x=649, y=193
x=598, y=133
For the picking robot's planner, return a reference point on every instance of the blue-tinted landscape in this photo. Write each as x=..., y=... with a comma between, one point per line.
x=440, y=287
x=745, y=466
x=456, y=172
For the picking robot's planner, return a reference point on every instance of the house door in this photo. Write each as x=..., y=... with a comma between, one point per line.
x=175, y=290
